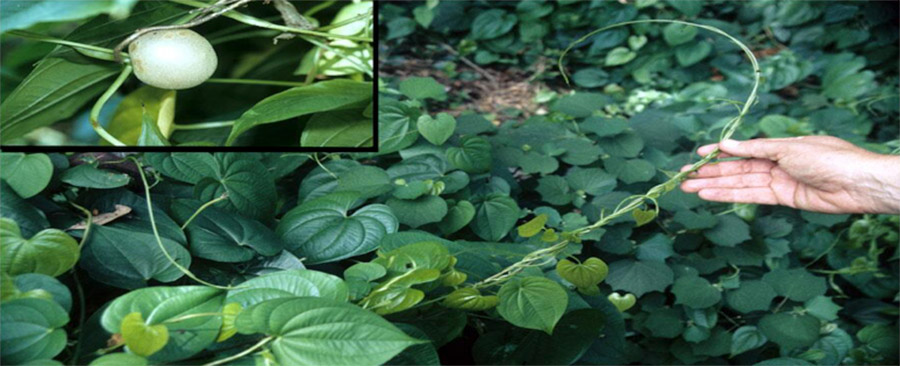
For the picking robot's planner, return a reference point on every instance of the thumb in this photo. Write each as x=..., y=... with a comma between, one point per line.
x=771, y=149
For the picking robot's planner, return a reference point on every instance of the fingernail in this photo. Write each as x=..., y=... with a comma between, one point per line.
x=729, y=144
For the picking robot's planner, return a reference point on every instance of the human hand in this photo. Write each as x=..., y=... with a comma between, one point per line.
x=813, y=173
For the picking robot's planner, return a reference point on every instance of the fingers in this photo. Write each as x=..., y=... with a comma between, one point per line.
x=771, y=149
x=762, y=196
x=735, y=181
x=734, y=167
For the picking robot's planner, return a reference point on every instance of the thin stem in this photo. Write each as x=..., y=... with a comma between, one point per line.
x=86, y=49
x=254, y=21
x=637, y=201
x=187, y=272
x=221, y=198
x=82, y=312
x=255, y=82
x=366, y=68
x=365, y=15
x=241, y=354
x=95, y=112
x=87, y=226
x=203, y=126
x=319, y=7
x=315, y=157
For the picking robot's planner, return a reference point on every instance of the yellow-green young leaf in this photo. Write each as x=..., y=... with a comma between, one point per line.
x=584, y=275
x=622, y=303
x=468, y=298
x=549, y=236
x=150, y=133
x=643, y=216
x=51, y=252
x=453, y=278
x=142, y=339
x=590, y=291
x=229, y=312
x=127, y=123
x=533, y=227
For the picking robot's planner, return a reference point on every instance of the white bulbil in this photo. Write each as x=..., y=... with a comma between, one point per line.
x=172, y=59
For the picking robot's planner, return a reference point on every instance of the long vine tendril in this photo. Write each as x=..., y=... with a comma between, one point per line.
x=632, y=203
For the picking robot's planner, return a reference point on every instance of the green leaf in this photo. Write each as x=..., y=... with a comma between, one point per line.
x=396, y=126
x=436, y=130
x=621, y=302
x=369, y=181
x=642, y=217
x=50, y=252
x=39, y=286
x=143, y=339
x=492, y=24
x=249, y=189
x=325, y=179
x=689, y=8
x=88, y=176
x=695, y=292
x=593, y=181
x=322, y=231
x=117, y=255
x=533, y=226
x=796, y=284
x=583, y=275
x=580, y=105
x=315, y=331
x=30, y=329
x=457, y=217
x=676, y=34
x=322, y=96
x=665, y=323
x=823, y=308
x=729, y=232
x=639, y=277
x=555, y=190
x=418, y=212
x=19, y=14
x=343, y=128
x=495, y=215
x=30, y=219
x=533, y=303
x=424, y=15
x=790, y=330
x=619, y=56
x=751, y=296
x=57, y=88
x=631, y=170
x=26, y=174
x=422, y=88
x=290, y=283
x=128, y=125
x=468, y=298
x=692, y=53
x=229, y=313
x=119, y=359
x=626, y=145
x=186, y=167
x=472, y=156
x=574, y=335
x=168, y=305
x=746, y=338
x=217, y=235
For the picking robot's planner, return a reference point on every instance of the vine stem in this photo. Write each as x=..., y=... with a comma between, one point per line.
x=211, y=202
x=203, y=126
x=187, y=272
x=241, y=354
x=635, y=202
x=85, y=49
x=87, y=225
x=95, y=112
x=246, y=19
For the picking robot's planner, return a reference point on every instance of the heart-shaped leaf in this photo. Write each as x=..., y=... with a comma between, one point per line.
x=220, y=236
x=643, y=216
x=621, y=302
x=143, y=339
x=436, y=130
x=583, y=275
x=317, y=331
x=457, y=217
x=322, y=230
x=636, y=42
x=27, y=174
x=50, y=252
x=30, y=330
x=533, y=303
x=171, y=306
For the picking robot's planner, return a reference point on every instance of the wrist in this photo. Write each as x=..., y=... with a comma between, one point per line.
x=885, y=183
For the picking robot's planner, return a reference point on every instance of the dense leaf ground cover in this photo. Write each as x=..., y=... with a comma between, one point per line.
x=700, y=282
x=302, y=79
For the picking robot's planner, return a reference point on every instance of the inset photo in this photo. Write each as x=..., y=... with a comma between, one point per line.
x=188, y=74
